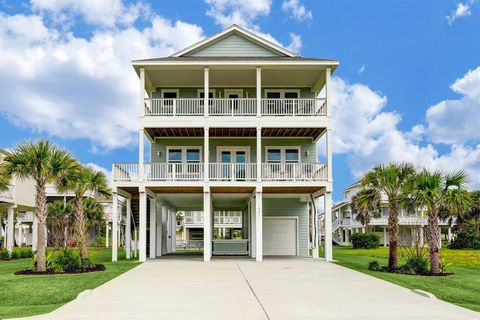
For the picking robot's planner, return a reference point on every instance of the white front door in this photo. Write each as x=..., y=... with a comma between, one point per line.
x=280, y=236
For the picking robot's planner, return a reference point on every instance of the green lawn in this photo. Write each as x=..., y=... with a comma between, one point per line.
x=462, y=288
x=32, y=295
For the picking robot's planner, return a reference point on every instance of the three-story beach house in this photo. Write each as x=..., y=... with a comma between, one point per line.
x=232, y=124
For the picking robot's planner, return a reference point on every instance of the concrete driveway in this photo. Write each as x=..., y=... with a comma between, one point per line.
x=228, y=288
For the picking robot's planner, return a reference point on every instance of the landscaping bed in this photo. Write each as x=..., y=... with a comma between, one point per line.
x=27, y=272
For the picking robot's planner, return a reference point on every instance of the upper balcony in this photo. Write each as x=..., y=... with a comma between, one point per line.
x=235, y=107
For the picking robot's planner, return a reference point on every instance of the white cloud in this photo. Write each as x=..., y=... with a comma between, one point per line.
x=240, y=12
x=100, y=12
x=297, y=10
x=456, y=121
x=462, y=10
x=295, y=42
x=73, y=87
x=369, y=135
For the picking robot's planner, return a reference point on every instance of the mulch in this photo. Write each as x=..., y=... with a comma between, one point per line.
x=30, y=272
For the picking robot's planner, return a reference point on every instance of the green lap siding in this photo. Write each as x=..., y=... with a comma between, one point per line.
x=290, y=207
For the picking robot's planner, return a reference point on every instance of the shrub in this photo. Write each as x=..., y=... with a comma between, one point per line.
x=374, y=265
x=4, y=254
x=99, y=241
x=466, y=239
x=365, y=240
x=67, y=260
x=15, y=254
x=418, y=265
x=24, y=253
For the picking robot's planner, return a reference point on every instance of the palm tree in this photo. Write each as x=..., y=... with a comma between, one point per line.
x=43, y=162
x=471, y=217
x=82, y=180
x=366, y=206
x=4, y=180
x=387, y=182
x=59, y=221
x=437, y=192
x=94, y=217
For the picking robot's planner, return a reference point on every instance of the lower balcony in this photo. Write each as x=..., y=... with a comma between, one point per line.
x=220, y=172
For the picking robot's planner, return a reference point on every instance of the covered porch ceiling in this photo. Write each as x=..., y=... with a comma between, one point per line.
x=243, y=76
x=313, y=133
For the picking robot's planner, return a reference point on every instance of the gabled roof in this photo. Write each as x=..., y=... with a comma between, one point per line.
x=234, y=29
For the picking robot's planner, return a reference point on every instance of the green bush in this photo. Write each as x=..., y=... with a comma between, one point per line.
x=67, y=260
x=4, y=254
x=24, y=253
x=466, y=239
x=365, y=240
x=416, y=265
x=99, y=241
x=374, y=265
x=15, y=254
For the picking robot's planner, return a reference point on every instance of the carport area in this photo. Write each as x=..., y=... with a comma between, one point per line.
x=239, y=288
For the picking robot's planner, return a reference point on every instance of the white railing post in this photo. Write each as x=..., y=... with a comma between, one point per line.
x=259, y=91
x=205, y=91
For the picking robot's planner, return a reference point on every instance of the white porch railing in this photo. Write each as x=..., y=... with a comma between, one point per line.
x=174, y=171
x=233, y=171
x=125, y=171
x=174, y=107
x=235, y=107
x=294, y=171
x=294, y=107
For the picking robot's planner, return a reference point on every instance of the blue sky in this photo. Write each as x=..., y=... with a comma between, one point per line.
x=407, y=87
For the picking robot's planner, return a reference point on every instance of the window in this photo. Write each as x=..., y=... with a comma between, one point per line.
x=273, y=95
x=283, y=154
x=184, y=154
x=291, y=95
x=274, y=155
x=291, y=155
x=175, y=155
x=169, y=95
x=202, y=95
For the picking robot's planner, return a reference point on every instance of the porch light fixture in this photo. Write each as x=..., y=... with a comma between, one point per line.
x=159, y=153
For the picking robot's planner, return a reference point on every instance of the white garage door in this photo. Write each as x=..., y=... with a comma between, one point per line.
x=280, y=236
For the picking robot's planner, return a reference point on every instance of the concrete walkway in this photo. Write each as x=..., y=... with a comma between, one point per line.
x=295, y=288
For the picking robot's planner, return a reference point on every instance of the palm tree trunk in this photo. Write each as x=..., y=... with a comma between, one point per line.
x=80, y=226
x=433, y=241
x=393, y=231
x=40, y=205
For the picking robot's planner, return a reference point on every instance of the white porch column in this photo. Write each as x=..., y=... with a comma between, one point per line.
x=159, y=230
x=107, y=231
x=253, y=224
x=141, y=96
x=205, y=91
x=449, y=234
x=327, y=91
x=315, y=253
x=34, y=232
x=259, y=154
x=347, y=235
x=10, y=227
x=135, y=237
x=207, y=225
x=384, y=236
x=327, y=198
x=153, y=228
x=421, y=236
x=206, y=154
x=20, y=234
x=114, y=226
x=259, y=224
x=259, y=92
x=440, y=238
x=169, y=232
x=128, y=230
x=143, y=226
x=174, y=231
x=141, y=153
x=164, y=230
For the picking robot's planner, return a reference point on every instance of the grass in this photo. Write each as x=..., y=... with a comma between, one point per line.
x=22, y=296
x=462, y=288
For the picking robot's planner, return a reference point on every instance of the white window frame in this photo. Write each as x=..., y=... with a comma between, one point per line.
x=184, y=153
x=282, y=152
x=226, y=92
x=282, y=92
x=202, y=90
x=232, y=149
x=162, y=91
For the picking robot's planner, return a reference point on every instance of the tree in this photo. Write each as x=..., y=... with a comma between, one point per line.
x=59, y=222
x=438, y=192
x=82, y=180
x=43, y=162
x=4, y=179
x=387, y=182
x=471, y=217
x=94, y=217
x=366, y=206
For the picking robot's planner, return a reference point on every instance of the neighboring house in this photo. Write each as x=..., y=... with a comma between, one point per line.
x=227, y=225
x=411, y=226
x=233, y=123
x=16, y=207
